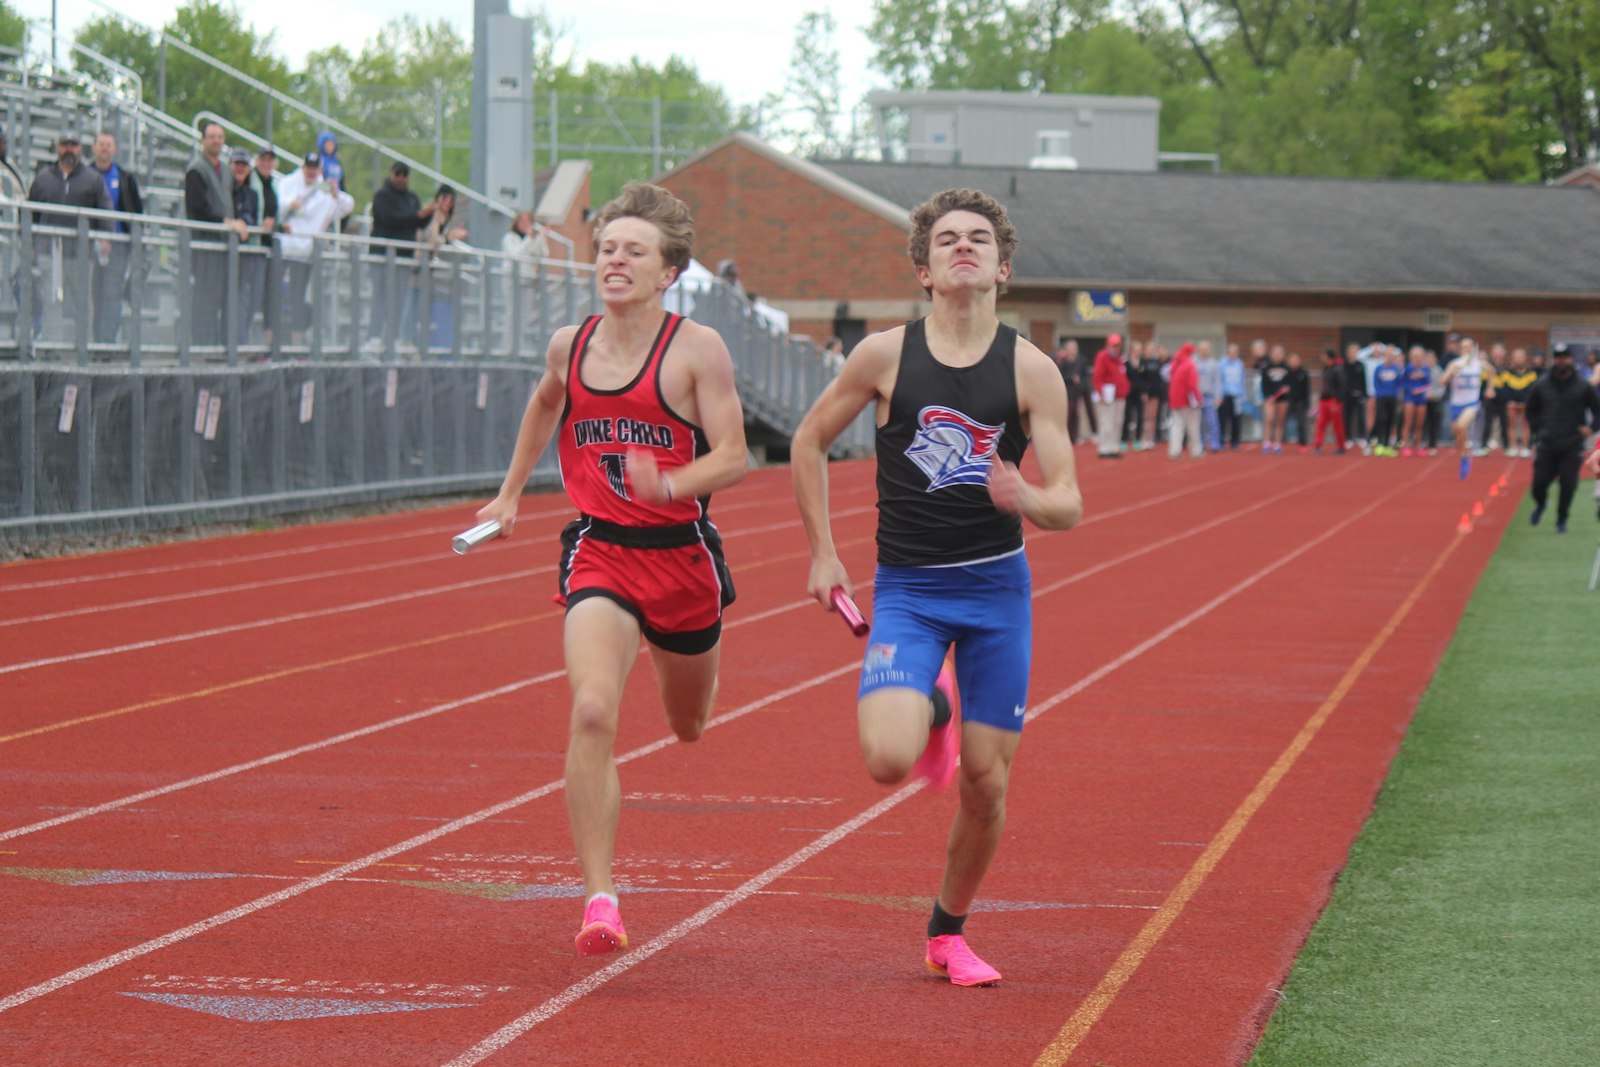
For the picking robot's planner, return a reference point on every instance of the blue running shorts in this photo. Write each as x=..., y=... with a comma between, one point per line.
x=985, y=609
x=1458, y=410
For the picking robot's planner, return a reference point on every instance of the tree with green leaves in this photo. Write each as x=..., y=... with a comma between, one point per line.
x=810, y=116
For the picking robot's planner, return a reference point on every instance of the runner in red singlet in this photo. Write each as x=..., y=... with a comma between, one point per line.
x=650, y=426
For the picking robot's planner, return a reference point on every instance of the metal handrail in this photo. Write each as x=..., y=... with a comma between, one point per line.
x=239, y=131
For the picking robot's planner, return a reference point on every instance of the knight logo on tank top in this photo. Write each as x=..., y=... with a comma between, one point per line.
x=951, y=448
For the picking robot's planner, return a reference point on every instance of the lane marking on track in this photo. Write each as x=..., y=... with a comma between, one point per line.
x=257, y=624
x=572, y=994
x=625, y=963
x=1082, y=1020
x=222, y=590
x=356, y=657
x=305, y=886
x=303, y=550
x=270, y=676
x=743, y=621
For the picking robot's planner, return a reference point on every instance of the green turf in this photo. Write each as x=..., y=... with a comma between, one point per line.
x=1466, y=928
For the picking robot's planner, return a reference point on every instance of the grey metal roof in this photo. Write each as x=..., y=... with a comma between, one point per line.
x=1175, y=230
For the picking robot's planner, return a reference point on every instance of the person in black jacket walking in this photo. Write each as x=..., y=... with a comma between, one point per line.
x=1556, y=409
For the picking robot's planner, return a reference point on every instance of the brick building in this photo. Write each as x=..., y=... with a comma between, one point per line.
x=1309, y=263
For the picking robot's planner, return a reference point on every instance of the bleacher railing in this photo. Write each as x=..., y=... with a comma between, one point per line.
x=156, y=371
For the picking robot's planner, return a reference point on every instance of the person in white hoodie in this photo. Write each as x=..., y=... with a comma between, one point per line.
x=307, y=205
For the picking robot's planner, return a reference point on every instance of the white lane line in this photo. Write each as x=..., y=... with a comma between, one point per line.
x=627, y=962
x=402, y=720
x=556, y=1005
x=89, y=970
x=503, y=1037
x=306, y=550
x=299, y=616
x=221, y=590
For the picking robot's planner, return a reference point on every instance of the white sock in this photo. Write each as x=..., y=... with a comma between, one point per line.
x=612, y=897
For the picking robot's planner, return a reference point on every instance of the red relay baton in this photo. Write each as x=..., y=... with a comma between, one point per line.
x=848, y=611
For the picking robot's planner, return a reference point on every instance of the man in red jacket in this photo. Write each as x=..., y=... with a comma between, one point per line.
x=1184, y=404
x=1110, y=395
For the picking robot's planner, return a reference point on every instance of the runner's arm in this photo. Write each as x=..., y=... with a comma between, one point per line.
x=539, y=421
x=861, y=381
x=719, y=414
x=1055, y=504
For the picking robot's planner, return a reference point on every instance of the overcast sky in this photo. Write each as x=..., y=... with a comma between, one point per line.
x=744, y=48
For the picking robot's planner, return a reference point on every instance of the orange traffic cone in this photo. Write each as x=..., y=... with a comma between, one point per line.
x=1477, y=509
x=1465, y=525
x=1494, y=490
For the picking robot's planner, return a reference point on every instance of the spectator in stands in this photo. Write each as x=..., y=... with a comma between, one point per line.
x=443, y=227
x=11, y=183
x=524, y=238
x=111, y=272
x=308, y=205
x=398, y=214
x=208, y=197
x=332, y=168
x=59, y=282
x=252, y=266
x=264, y=180
x=728, y=271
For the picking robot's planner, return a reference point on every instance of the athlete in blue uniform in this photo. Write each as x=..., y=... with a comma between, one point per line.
x=1469, y=378
x=958, y=396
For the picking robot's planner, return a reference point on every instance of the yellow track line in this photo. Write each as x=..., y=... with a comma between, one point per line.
x=1100, y=1000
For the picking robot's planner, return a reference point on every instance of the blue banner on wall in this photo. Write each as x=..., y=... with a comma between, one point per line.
x=1100, y=307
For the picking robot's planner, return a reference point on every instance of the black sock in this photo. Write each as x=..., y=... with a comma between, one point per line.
x=943, y=923
x=941, y=708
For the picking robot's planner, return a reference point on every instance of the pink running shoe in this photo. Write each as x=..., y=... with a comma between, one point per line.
x=938, y=761
x=950, y=956
x=602, y=929
x=1406, y=452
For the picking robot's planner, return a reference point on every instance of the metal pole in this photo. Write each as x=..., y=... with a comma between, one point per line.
x=655, y=135
x=438, y=126
x=161, y=74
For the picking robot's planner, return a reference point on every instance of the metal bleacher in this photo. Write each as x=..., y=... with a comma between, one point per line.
x=121, y=412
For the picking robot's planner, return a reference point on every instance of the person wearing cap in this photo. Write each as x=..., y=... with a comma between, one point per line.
x=1557, y=405
x=111, y=272
x=1110, y=395
x=66, y=182
x=308, y=205
x=397, y=215
x=252, y=262
x=1185, y=401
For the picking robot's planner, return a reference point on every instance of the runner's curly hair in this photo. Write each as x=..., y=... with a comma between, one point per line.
x=924, y=215
x=653, y=204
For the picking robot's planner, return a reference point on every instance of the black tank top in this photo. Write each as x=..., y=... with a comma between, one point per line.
x=945, y=425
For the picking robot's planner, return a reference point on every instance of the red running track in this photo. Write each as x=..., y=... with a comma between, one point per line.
x=295, y=797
